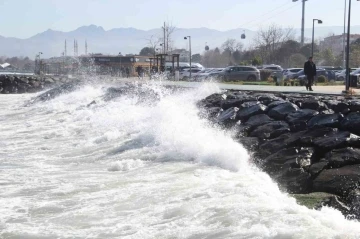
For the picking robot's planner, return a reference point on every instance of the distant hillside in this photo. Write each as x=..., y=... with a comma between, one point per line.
x=129, y=40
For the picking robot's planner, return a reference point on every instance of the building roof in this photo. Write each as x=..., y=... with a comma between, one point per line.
x=5, y=65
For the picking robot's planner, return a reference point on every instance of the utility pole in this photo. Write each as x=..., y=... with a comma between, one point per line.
x=302, y=21
x=344, y=38
x=347, y=82
x=164, y=38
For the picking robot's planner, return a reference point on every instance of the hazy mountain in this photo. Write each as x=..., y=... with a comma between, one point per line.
x=130, y=40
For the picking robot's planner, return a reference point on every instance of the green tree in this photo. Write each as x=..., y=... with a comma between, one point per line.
x=256, y=61
x=147, y=51
x=196, y=58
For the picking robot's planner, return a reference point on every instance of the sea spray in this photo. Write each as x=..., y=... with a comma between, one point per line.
x=128, y=169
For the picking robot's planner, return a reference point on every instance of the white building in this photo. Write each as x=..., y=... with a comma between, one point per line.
x=335, y=43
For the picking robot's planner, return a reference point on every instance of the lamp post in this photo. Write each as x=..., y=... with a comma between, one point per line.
x=185, y=38
x=344, y=37
x=302, y=20
x=347, y=78
x=39, y=55
x=120, y=65
x=312, y=44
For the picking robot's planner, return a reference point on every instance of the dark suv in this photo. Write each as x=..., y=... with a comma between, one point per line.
x=237, y=73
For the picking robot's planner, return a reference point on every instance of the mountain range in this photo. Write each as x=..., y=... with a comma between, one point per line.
x=131, y=41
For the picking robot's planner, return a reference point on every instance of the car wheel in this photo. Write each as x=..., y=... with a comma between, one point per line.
x=251, y=78
x=341, y=78
x=185, y=78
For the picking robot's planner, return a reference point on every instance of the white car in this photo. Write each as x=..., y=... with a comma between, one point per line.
x=185, y=74
x=291, y=70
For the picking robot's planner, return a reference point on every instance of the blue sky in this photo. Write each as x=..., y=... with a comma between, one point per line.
x=25, y=18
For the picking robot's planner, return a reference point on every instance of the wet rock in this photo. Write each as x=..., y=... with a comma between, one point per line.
x=210, y=113
x=249, y=104
x=333, y=140
x=298, y=119
x=340, y=157
x=53, y=93
x=295, y=180
x=327, y=112
x=308, y=137
x=114, y=92
x=313, y=104
x=214, y=100
x=228, y=116
x=337, y=106
x=325, y=120
x=226, y=104
x=258, y=120
x=237, y=102
x=312, y=200
x=316, y=168
x=281, y=111
x=249, y=143
x=352, y=123
x=271, y=130
x=245, y=113
x=339, y=181
x=276, y=103
x=268, y=98
x=354, y=106
x=295, y=157
x=273, y=145
x=353, y=200
x=335, y=202
x=49, y=81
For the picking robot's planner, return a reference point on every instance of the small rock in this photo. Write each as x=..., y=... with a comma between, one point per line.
x=339, y=181
x=281, y=111
x=271, y=130
x=340, y=157
x=325, y=120
x=245, y=113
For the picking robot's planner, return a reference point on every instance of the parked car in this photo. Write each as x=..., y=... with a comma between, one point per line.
x=273, y=68
x=340, y=76
x=319, y=72
x=294, y=75
x=185, y=73
x=237, y=73
x=202, y=75
x=291, y=71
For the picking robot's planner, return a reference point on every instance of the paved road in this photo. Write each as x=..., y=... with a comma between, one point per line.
x=334, y=90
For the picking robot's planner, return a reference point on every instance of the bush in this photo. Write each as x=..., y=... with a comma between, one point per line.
x=322, y=79
x=265, y=74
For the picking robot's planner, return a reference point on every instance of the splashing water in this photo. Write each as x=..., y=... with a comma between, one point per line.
x=124, y=169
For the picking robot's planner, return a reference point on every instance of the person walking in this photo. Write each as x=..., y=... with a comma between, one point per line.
x=310, y=72
x=127, y=72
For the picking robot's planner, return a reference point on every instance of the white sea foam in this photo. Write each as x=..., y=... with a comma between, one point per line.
x=122, y=169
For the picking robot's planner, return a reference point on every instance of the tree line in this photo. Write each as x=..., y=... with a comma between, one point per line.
x=272, y=45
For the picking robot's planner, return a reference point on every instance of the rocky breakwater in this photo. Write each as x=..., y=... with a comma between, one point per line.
x=17, y=84
x=306, y=143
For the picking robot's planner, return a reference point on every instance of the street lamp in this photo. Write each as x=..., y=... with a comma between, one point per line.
x=312, y=44
x=39, y=55
x=302, y=20
x=347, y=82
x=120, y=65
x=185, y=38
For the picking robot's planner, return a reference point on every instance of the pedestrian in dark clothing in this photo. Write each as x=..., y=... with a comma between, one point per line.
x=310, y=72
x=127, y=72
